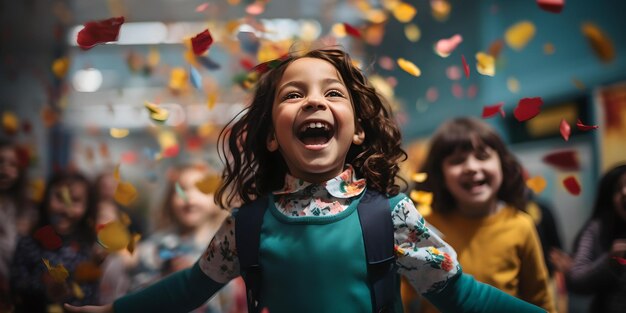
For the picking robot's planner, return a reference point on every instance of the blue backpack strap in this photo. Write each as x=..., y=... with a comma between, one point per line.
x=248, y=223
x=378, y=232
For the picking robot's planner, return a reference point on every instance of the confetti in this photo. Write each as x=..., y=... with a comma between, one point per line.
x=49, y=116
x=208, y=63
x=422, y=197
x=537, y=184
x=48, y=238
x=201, y=42
x=485, y=64
x=114, y=236
x=548, y=48
x=512, y=84
x=457, y=91
x=209, y=184
x=60, y=67
x=553, y=6
x=619, y=260
x=466, y=67
x=10, y=123
x=87, y=271
x=528, y=108
x=386, y=63
x=202, y=7
x=77, y=291
x=178, y=80
x=132, y=244
x=412, y=32
x=432, y=94
x=440, y=9
x=37, y=188
x=563, y=160
x=404, y=12
x=125, y=193
x=255, y=8
x=444, y=47
x=583, y=127
x=419, y=177
x=572, y=186
x=495, y=48
x=58, y=272
x=118, y=132
x=565, y=129
x=492, y=110
x=409, y=67
x=453, y=72
x=600, y=43
x=180, y=192
x=211, y=100
x=196, y=78
x=351, y=30
x=97, y=32
x=518, y=35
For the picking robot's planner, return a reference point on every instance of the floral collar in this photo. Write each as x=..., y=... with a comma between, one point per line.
x=346, y=185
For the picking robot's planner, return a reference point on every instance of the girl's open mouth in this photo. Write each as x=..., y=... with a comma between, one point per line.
x=315, y=133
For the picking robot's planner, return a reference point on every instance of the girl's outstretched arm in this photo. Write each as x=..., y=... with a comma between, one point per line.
x=182, y=292
x=108, y=308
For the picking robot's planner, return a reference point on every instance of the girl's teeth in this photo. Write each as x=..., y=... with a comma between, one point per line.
x=319, y=125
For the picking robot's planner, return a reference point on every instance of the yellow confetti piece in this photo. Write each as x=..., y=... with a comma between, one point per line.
x=421, y=197
x=178, y=79
x=125, y=193
x=209, y=184
x=419, y=177
x=512, y=84
x=399, y=251
x=211, y=100
x=157, y=114
x=485, y=64
x=205, y=130
x=125, y=219
x=10, y=122
x=412, y=32
x=60, y=67
x=339, y=30
x=37, y=188
x=599, y=41
x=58, y=272
x=518, y=35
x=537, y=184
x=404, y=12
x=132, y=245
x=114, y=236
x=154, y=57
x=65, y=194
x=116, y=172
x=77, y=291
x=376, y=16
x=409, y=67
x=440, y=9
x=119, y=132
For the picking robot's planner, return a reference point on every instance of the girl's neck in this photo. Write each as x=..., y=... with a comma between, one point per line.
x=479, y=211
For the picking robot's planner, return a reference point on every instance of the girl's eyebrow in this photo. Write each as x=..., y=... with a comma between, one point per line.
x=301, y=84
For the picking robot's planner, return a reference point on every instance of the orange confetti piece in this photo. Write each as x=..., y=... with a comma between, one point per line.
x=599, y=41
x=58, y=272
x=565, y=129
x=572, y=185
x=419, y=177
x=37, y=188
x=440, y=9
x=444, y=47
x=422, y=197
x=49, y=116
x=518, y=35
x=125, y=193
x=537, y=184
x=60, y=67
x=209, y=184
x=404, y=12
x=114, y=236
x=134, y=240
x=485, y=64
x=10, y=123
x=409, y=67
x=86, y=272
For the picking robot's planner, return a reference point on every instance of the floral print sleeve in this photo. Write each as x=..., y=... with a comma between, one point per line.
x=424, y=258
x=219, y=261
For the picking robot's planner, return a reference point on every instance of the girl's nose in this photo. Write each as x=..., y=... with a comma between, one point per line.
x=314, y=103
x=471, y=165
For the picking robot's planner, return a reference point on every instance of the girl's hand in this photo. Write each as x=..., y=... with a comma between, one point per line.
x=562, y=261
x=618, y=249
x=108, y=308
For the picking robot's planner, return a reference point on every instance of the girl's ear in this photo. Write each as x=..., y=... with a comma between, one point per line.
x=272, y=143
x=359, y=135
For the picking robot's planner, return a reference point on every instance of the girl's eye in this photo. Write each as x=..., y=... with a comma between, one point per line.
x=291, y=95
x=334, y=93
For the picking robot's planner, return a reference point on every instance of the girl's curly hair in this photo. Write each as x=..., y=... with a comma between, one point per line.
x=252, y=171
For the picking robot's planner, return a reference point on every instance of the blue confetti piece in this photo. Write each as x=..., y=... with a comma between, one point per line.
x=196, y=78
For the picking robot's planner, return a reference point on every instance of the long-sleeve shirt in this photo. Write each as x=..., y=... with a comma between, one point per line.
x=592, y=273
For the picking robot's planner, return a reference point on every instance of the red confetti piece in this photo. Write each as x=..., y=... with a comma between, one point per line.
x=584, y=127
x=246, y=64
x=572, y=186
x=563, y=160
x=171, y=151
x=201, y=42
x=466, y=67
x=129, y=157
x=527, y=108
x=492, y=110
x=48, y=238
x=619, y=260
x=97, y=32
x=565, y=129
x=351, y=30
x=554, y=6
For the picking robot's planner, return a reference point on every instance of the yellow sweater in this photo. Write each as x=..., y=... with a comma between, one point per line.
x=502, y=250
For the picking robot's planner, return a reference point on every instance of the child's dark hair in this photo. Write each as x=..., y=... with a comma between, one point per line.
x=252, y=171
x=469, y=134
x=18, y=191
x=612, y=226
x=85, y=229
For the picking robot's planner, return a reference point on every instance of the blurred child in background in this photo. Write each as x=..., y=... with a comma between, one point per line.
x=65, y=239
x=188, y=221
x=16, y=213
x=598, y=265
x=477, y=205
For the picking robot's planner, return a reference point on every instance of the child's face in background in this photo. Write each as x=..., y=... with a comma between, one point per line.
x=473, y=177
x=68, y=205
x=9, y=168
x=619, y=198
x=199, y=206
x=313, y=120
